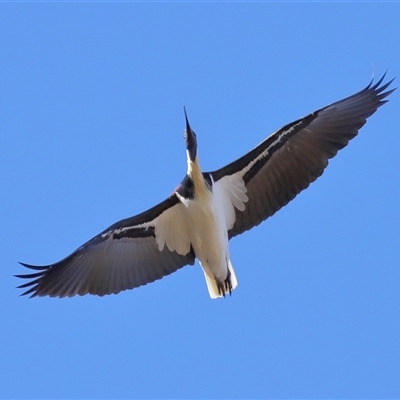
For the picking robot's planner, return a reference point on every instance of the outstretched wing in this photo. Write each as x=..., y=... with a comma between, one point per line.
x=124, y=256
x=290, y=159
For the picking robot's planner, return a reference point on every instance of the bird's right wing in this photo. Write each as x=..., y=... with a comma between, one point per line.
x=128, y=254
x=290, y=159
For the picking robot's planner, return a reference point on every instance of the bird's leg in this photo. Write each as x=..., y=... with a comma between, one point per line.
x=228, y=283
x=221, y=288
x=226, y=286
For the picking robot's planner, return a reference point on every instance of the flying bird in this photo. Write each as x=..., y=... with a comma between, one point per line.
x=207, y=209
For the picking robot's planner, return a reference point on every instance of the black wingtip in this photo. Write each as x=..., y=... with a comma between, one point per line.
x=29, y=276
x=34, y=267
x=377, y=86
x=34, y=279
x=31, y=290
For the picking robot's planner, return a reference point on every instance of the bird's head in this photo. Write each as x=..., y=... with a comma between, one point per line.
x=191, y=140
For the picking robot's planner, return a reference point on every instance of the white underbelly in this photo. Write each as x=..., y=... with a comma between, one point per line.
x=209, y=239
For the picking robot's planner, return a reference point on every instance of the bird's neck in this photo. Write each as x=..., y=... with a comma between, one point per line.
x=200, y=186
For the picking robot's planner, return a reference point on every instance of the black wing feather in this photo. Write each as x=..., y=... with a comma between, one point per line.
x=290, y=159
x=123, y=256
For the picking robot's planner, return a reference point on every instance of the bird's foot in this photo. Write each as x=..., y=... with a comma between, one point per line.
x=225, y=286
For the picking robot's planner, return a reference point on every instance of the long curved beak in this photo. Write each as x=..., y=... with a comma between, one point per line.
x=191, y=140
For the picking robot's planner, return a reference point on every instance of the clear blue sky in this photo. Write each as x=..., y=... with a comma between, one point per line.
x=91, y=131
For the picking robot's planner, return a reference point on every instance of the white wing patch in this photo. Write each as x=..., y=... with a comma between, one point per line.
x=171, y=230
x=230, y=193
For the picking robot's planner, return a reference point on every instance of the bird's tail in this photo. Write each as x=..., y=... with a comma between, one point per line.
x=212, y=284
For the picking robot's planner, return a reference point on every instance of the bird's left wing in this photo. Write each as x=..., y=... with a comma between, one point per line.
x=294, y=156
x=124, y=256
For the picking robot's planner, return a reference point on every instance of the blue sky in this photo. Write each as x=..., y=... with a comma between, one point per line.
x=91, y=131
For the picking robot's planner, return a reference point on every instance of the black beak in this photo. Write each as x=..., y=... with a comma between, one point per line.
x=191, y=140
